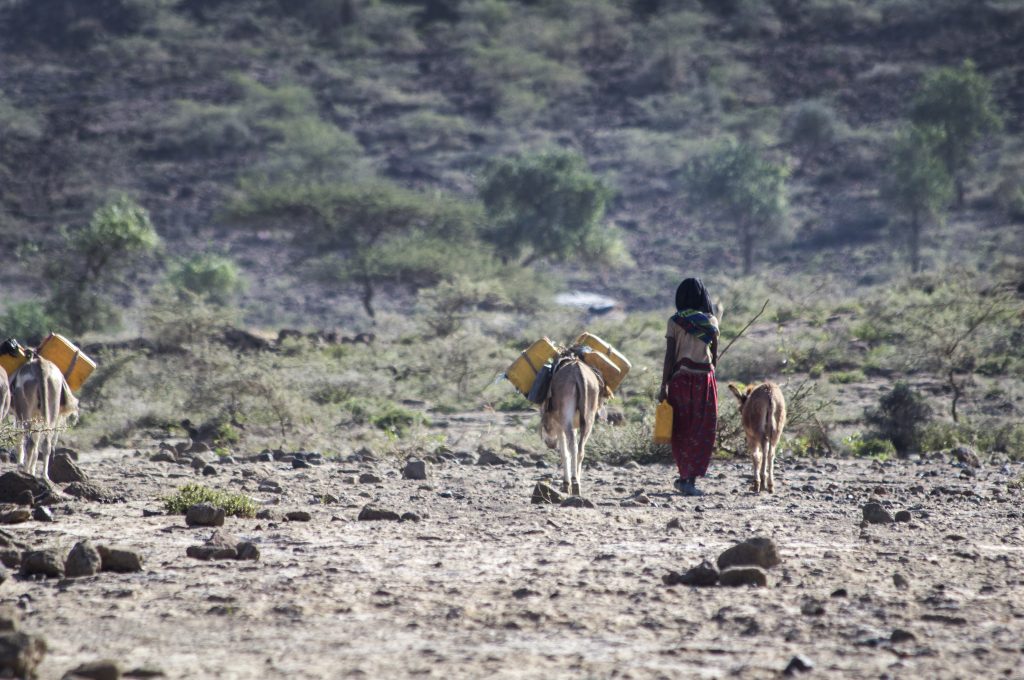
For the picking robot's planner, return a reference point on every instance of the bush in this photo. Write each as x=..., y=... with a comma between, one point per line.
x=27, y=321
x=209, y=277
x=901, y=418
x=811, y=125
x=632, y=441
x=879, y=449
x=234, y=504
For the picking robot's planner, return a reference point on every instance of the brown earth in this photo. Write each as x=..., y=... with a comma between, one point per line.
x=488, y=585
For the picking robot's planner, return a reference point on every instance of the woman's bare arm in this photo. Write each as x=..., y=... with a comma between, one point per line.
x=666, y=369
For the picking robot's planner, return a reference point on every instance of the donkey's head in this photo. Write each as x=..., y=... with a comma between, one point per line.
x=741, y=395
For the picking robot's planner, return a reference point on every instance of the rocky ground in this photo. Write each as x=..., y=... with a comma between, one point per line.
x=477, y=581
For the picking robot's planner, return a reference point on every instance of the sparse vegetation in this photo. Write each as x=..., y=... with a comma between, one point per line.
x=233, y=504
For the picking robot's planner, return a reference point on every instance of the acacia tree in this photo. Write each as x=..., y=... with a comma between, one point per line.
x=548, y=206
x=367, y=233
x=740, y=185
x=917, y=185
x=96, y=263
x=957, y=102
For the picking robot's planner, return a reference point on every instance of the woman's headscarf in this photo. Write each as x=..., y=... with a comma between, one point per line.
x=691, y=294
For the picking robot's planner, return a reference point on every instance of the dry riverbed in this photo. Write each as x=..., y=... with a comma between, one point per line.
x=482, y=583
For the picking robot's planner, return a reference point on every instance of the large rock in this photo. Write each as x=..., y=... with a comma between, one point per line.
x=372, y=514
x=488, y=457
x=15, y=482
x=14, y=514
x=92, y=492
x=121, y=559
x=104, y=669
x=967, y=456
x=743, y=576
x=83, y=560
x=874, y=513
x=42, y=562
x=20, y=654
x=577, y=502
x=224, y=546
x=64, y=470
x=204, y=515
x=415, y=469
x=545, y=493
x=761, y=552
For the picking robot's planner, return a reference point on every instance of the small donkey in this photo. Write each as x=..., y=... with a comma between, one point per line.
x=763, y=410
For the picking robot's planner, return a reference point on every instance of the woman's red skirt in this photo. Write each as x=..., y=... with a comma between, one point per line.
x=693, y=395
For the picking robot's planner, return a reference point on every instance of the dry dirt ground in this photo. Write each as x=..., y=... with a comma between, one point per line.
x=489, y=585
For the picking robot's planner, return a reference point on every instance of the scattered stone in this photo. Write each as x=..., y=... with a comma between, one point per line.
x=798, y=664
x=4, y=575
x=63, y=470
x=704, y=574
x=488, y=457
x=642, y=499
x=119, y=559
x=163, y=456
x=209, y=471
x=299, y=463
x=91, y=492
x=270, y=486
x=14, y=514
x=874, y=513
x=42, y=514
x=903, y=516
x=899, y=635
x=900, y=581
x=369, y=478
x=372, y=514
x=248, y=551
x=743, y=576
x=105, y=669
x=415, y=469
x=220, y=546
x=760, y=551
x=265, y=513
x=545, y=493
x=83, y=560
x=199, y=462
x=204, y=515
x=675, y=523
x=409, y=517
x=840, y=592
x=812, y=607
x=8, y=620
x=15, y=483
x=298, y=516
x=967, y=456
x=20, y=653
x=577, y=502
x=25, y=498
x=43, y=562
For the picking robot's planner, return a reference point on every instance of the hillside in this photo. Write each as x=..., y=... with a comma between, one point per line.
x=175, y=103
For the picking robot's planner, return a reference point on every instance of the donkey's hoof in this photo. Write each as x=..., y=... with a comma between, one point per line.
x=576, y=489
x=565, y=487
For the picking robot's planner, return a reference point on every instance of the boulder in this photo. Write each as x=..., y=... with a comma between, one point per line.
x=372, y=514
x=83, y=560
x=104, y=669
x=64, y=470
x=577, y=502
x=92, y=492
x=43, y=563
x=415, y=469
x=545, y=493
x=224, y=546
x=967, y=456
x=874, y=513
x=760, y=552
x=204, y=515
x=743, y=576
x=120, y=559
x=15, y=483
x=14, y=514
x=20, y=654
x=704, y=574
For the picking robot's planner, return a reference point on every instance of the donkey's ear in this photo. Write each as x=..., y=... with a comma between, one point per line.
x=734, y=388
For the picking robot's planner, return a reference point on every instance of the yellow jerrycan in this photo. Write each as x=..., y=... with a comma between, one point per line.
x=523, y=370
x=663, y=423
x=71, y=361
x=612, y=380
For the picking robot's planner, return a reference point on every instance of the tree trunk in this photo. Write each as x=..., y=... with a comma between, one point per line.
x=368, y=296
x=915, y=242
x=747, y=244
x=957, y=394
x=959, y=183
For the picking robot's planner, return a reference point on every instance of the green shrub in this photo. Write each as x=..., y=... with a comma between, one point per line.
x=234, y=504
x=811, y=125
x=879, y=449
x=900, y=417
x=631, y=441
x=26, y=321
x=210, y=277
x=847, y=377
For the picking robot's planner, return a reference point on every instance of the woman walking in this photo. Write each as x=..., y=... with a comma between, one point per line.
x=688, y=383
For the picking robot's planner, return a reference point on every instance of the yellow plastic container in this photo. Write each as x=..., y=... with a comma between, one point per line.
x=524, y=369
x=12, y=362
x=71, y=361
x=663, y=423
x=603, y=365
x=616, y=357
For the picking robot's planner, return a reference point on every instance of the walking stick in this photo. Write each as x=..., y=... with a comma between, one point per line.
x=744, y=329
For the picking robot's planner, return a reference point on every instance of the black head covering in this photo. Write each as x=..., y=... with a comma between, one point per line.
x=692, y=294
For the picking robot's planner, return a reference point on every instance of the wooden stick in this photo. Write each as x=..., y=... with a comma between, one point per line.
x=744, y=329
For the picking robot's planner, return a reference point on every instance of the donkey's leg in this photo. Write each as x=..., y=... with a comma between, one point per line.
x=570, y=457
x=771, y=466
x=754, y=446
